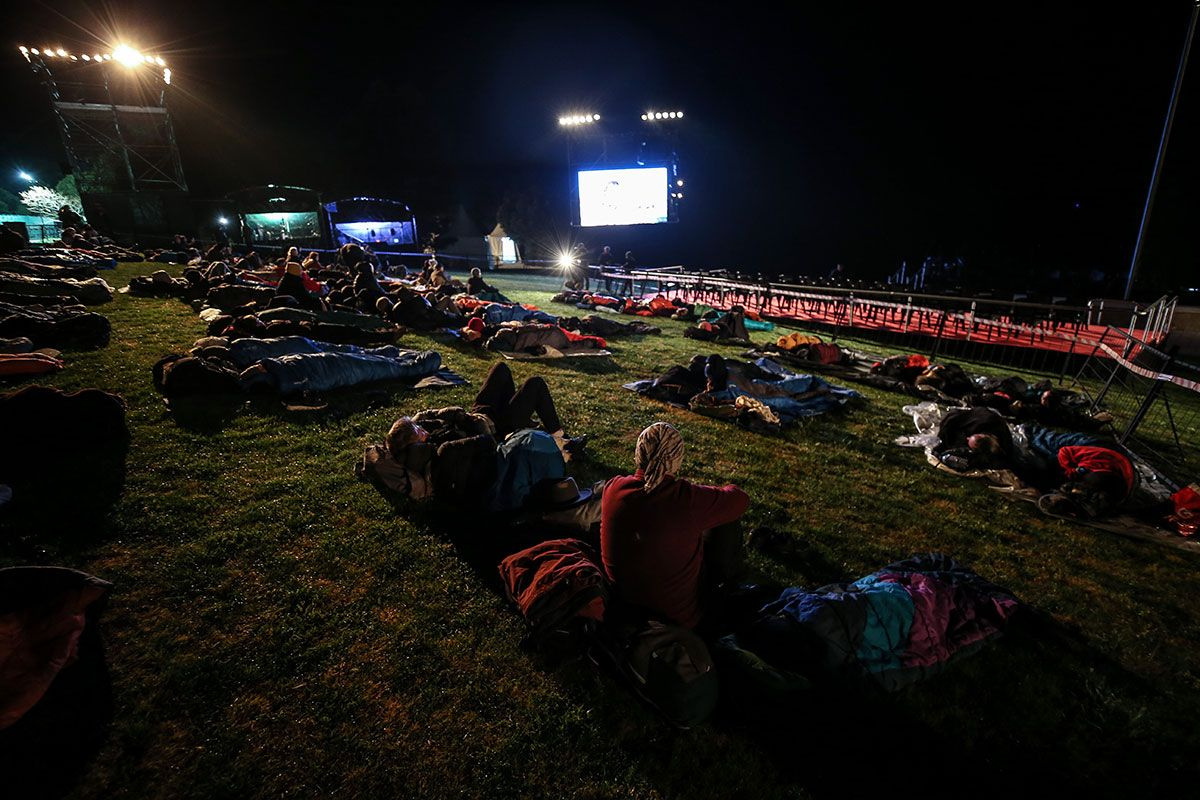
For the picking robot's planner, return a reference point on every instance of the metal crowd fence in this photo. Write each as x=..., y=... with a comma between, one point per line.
x=1046, y=338
x=1153, y=397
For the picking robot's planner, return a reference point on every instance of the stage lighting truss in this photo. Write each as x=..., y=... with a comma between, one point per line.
x=126, y=56
x=660, y=116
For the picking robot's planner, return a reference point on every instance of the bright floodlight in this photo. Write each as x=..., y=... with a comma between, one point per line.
x=565, y=260
x=158, y=60
x=679, y=115
x=62, y=52
x=167, y=76
x=223, y=220
x=643, y=116
x=86, y=57
x=34, y=51
x=595, y=117
x=679, y=182
x=25, y=176
x=127, y=56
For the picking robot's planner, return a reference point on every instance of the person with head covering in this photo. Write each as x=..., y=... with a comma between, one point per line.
x=669, y=544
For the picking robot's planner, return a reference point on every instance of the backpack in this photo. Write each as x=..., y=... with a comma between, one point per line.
x=525, y=458
x=670, y=668
x=558, y=586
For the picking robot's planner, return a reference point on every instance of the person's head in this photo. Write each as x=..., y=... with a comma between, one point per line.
x=312, y=256
x=717, y=373
x=476, y=273
x=403, y=434
x=607, y=249
x=629, y=255
x=294, y=268
x=658, y=454
x=293, y=254
x=984, y=443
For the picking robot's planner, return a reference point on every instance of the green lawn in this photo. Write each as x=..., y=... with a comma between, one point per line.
x=278, y=629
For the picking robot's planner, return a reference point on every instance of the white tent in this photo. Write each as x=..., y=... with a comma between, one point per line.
x=503, y=250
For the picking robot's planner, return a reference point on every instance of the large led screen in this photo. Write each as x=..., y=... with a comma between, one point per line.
x=622, y=196
x=278, y=226
x=376, y=232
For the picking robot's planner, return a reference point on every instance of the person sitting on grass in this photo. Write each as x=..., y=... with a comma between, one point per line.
x=478, y=287
x=511, y=409
x=670, y=546
x=292, y=284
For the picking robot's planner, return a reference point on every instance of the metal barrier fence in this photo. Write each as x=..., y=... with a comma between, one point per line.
x=1153, y=396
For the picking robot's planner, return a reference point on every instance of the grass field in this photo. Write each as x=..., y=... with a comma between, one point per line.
x=278, y=630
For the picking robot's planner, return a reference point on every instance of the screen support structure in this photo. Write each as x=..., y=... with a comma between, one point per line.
x=590, y=148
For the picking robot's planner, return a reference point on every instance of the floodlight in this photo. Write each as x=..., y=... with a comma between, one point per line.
x=222, y=220
x=158, y=60
x=23, y=49
x=108, y=56
x=48, y=53
x=595, y=117
x=34, y=51
x=127, y=56
x=679, y=182
x=167, y=76
x=680, y=195
x=62, y=52
x=97, y=57
x=643, y=117
x=565, y=260
x=680, y=116
x=25, y=176
x=86, y=57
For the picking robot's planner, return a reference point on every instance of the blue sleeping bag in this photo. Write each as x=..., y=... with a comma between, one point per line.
x=245, y=352
x=319, y=372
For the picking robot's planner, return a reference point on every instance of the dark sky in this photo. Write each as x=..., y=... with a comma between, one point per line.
x=1018, y=137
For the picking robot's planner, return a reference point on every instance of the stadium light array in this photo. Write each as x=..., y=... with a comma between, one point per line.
x=578, y=119
x=656, y=116
x=25, y=176
x=123, y=54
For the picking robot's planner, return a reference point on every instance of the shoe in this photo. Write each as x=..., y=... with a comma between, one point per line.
x=573, y=447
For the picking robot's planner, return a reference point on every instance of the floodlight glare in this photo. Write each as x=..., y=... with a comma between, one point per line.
x=126, y=56
x=680, y=195
x=679, y=182
x=34, y=51
x=48, y=52
x=24, y=49
x=108, y=56
x=62, y=52
x=158, y=60
x=680, y=115
x=25, y=176
x=643, y=117
x=97, y=57
x=86, y=57
x=595, y=117
x=167, y=76
x=565, y=260
x=222, y=220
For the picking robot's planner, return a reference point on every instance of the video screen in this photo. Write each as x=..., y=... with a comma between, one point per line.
x=279, y=226
x=623, y=196
x=375, y=232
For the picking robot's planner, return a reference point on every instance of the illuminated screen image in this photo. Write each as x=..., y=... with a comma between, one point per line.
x=279, y=226
x=622, y=196
x=375, y=232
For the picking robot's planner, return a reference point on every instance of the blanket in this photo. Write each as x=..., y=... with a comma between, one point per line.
x=89, y=291
x=763, y=395
x=893, y=627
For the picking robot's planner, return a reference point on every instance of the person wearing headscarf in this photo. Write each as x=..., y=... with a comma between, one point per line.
x=666, y=542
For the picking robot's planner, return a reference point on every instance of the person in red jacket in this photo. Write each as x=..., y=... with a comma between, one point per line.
x=1098, y=480
x=667, y=543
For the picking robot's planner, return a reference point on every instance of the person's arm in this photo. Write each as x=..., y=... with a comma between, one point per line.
x=711, y=506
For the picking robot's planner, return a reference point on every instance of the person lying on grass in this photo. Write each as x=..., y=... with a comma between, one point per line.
x=668, y=545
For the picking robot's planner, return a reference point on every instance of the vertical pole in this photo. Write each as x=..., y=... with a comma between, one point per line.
x=1162, y=150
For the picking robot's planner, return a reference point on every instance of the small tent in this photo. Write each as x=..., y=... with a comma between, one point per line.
x=501, y=248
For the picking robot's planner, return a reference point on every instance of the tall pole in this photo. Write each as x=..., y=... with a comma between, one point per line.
x=1162, y=150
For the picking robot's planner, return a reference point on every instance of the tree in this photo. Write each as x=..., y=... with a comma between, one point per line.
x=46, y=202
x=67, y=188
x=526, y=217
x=10, y=203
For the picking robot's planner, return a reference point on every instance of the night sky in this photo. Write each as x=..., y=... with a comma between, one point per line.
x=1019, y=138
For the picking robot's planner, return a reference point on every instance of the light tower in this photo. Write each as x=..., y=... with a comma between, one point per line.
x=110, y=106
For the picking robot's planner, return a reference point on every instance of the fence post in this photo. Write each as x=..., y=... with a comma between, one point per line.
x=850, y=311
x=1148, y=401
x=937, y=339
